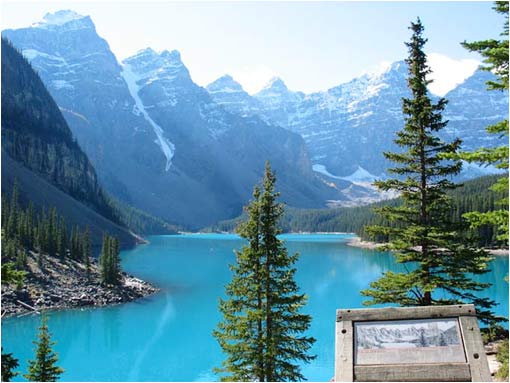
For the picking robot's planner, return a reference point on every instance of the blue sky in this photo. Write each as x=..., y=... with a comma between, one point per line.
x=310, y=45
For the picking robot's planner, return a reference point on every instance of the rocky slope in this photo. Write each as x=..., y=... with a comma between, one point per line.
x=63, y=285
x=158, y=140
x=40, y=152
x=348, y=127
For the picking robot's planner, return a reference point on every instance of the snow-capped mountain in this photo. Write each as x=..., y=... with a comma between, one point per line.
x=157, y=139
x=471, y=109
x=230, y=94
x=348, y=127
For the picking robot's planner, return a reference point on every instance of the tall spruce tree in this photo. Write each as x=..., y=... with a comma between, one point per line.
x=109, y=261
x=262, y=328
x=439, y=266
x=43, y=368
x=495, y=53
x=87, y=251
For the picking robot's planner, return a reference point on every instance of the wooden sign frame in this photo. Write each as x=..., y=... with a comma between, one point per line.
x=474, y=368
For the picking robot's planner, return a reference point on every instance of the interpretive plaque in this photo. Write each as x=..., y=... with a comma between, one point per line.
x=433, y=343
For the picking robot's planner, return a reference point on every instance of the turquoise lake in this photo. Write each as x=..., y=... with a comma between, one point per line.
x=167, y=337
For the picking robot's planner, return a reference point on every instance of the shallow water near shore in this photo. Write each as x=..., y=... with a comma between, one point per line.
x=167, y=336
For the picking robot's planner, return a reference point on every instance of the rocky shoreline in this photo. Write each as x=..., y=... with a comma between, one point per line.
x=64, y=285
x=358, y=242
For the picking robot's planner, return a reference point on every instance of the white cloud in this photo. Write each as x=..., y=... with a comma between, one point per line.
x=253, y=78
x=448, y=72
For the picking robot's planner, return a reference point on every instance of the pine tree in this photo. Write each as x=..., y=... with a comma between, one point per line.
x=62, y=239
x=495, y=53
x=262, y=328
x=73, y=249
x=104, y=259
x=115, y=259
x=9, y=364
x=438, y=260
x=87, y=251
x=109, y=261
x=43, y=368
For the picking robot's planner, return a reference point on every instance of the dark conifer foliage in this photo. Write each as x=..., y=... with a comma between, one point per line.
x=35, y=133
x=43, y=367
x=495, y=53
x=472, y=195
x=262, y=328
x=440, y=263
x=9, y=364
x=45, y=233
x=109, y=261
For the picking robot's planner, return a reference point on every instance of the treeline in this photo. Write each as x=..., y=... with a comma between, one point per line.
x=24, y=230
x=45, y=233
x=141, y=222
x=109, y=261
x=473, y=195
x=39, y=138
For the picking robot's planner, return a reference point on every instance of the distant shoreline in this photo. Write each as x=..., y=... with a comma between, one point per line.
x=289, y=232
x=358, y=242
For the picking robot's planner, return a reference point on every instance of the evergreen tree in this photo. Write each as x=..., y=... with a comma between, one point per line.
x=115, y=259
x=109, y=261
x=43, y=368
x=87, y=251
x=104, y=259
x=9, y=364
x=439, y=263
x=262, y=327
x=11, y=275
x=62, y=239
x=73, y=249
x=495, y=53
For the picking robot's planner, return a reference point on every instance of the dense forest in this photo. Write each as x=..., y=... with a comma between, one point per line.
x=473, y=195
x=24, y=230
x=35, y=134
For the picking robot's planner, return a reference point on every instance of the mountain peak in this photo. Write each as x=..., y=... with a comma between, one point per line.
x=225, y=84
x=146, y=51
x=173, y=55
x=164, y=59
x=62, y=17
x=276, y=83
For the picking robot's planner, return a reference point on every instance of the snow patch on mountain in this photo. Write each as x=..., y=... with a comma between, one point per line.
x=59, y=18
x=64, y=19
x=167, y=147
x=359, y=176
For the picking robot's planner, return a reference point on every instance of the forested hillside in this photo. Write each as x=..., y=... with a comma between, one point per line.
x=35, y=134
x=474, y=195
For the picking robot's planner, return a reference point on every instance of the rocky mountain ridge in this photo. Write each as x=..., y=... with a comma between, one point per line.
x=348, y=127
x=157, y=140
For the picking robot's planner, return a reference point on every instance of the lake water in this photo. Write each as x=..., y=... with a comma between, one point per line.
x=167, y=337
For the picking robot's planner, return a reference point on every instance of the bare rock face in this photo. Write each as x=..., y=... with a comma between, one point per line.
x=158, y=140
x=349, y=126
